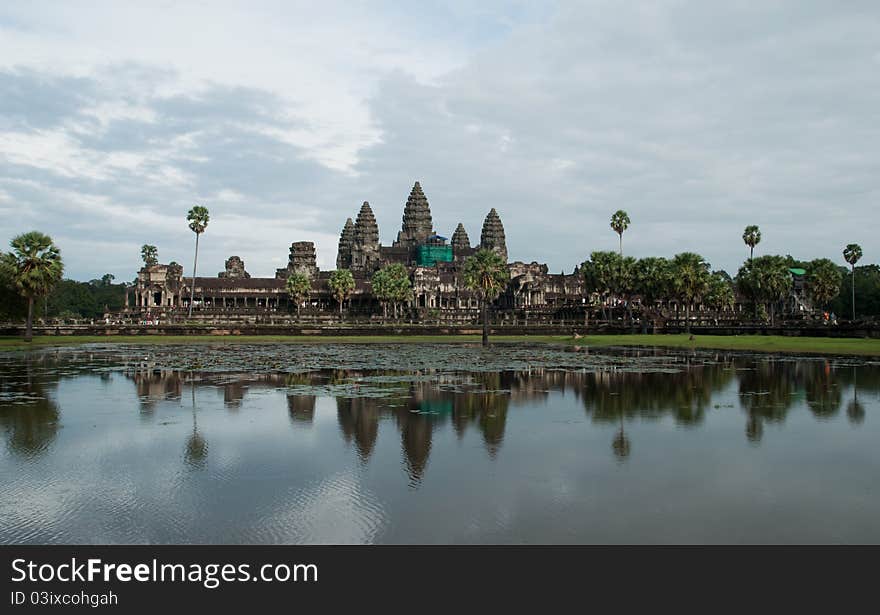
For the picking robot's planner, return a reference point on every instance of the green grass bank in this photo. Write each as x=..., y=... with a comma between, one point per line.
x=758, y=343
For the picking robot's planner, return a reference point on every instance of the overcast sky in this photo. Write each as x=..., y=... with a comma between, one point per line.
x=698, y=118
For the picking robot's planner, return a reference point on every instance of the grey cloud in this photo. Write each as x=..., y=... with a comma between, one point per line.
x=698, y=118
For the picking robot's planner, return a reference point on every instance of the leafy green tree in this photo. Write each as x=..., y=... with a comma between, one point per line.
x=609, y=274
x=486, y=273
x=36, y=267
x=652, y=281
x=752, y=237
x=150, y=254
x=620, y=222
x=341, y=284
x=853, y=253
x=823, y=281
x=299, y=286
x=12, y=304
x=690, y=280
x=765, y=279
x=391, y=284
x=719, y=294
x=198, y=218
x=107, y=279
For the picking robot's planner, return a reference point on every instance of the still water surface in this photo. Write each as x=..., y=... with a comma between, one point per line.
x=435, y=444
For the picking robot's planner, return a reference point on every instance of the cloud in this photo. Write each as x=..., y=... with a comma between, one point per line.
x=697, y=118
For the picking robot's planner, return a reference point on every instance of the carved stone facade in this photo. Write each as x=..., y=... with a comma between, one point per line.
x=302, y=260
x=234, y=269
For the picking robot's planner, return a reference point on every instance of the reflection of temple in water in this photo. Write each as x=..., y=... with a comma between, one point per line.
x=419, y=405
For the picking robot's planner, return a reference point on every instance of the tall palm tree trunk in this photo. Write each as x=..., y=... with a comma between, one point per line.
x=687, y=318
x=485, y=314
x=29, y=326
x=853, y=284
x=192, y=290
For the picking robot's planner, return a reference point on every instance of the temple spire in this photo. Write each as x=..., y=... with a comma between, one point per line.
x=492, y=236
x=417, y=222
x=346, y=240
x=460, y=239
x=365, y=248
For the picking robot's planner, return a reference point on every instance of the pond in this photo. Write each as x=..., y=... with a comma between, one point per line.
x=447, y=443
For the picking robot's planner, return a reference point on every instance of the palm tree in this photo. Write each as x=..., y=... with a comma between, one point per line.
x=341, y=284
x=391, y=284
x=690, y=280
x=620, y=222
x=198, y=222
x=823, y=280
x=852, y=253
x=35, y=267
x=298, y=287
x=752, y=237
x=150, y=255
x=486, y=273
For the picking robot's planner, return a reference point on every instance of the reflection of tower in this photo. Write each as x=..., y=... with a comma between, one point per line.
x=156, y=385
x=301, y=408
x=196, y=452
x=359, y=421
x=493, y=419
x=233, y=393
x=415, y=436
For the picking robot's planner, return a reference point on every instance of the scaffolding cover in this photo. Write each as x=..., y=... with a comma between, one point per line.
x=428, y=256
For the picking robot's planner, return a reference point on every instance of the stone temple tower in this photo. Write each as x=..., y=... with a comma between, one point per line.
x=492, y=237
x=365, y=247
x=417, y=223
x=461, y=243
x=460, y=239
x=346, y=241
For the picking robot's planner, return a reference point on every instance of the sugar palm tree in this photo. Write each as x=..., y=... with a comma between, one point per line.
x=150, y=254
x=823, y=280
x=298, y=287
x=853, y=253
x=341, y=284
x=690, y=280
x=752, y=237
x=620, y=222
x=198, y=221
x=35, y=267
x=486, y=273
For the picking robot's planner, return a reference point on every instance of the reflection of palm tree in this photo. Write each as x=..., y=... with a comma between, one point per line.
x=823, y=393
x=766, y=393
x=855, y=411
x=196, y=451
x=31, y=426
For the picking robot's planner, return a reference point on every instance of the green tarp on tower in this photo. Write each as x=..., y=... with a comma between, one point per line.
x=428, y=256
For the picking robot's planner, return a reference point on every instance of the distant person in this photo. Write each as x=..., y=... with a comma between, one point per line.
x=833, y=318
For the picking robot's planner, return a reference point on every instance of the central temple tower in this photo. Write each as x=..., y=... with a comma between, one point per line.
x=417, y=223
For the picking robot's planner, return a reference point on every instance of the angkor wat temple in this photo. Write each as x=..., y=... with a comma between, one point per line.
x=435, y=265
